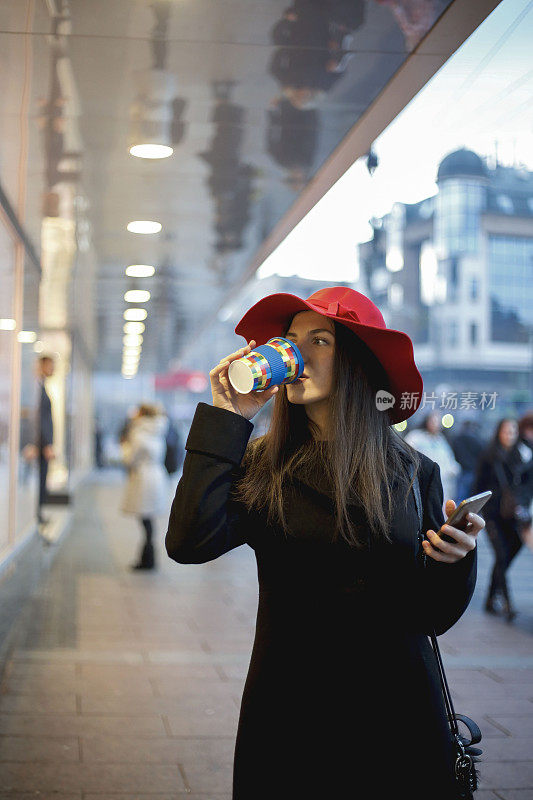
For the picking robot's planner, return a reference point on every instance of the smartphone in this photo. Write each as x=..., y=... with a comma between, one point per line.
x=457, y=518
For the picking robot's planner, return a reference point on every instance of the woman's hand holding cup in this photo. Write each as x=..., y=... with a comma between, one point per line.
x=225, y=396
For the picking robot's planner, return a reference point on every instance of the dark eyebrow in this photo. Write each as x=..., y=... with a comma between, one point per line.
x=316, y=330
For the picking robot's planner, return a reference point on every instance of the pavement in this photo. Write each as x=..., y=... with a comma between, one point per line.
x=126, y=686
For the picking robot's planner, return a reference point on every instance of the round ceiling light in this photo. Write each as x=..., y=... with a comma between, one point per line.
x=27, y=337
x=144, y=226
x=132, y=339
x=137, y=296
x=135, y=314
x=140, y=271
x=151, y=151
x=133, y=327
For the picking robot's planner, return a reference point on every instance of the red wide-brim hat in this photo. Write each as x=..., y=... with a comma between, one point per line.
x=393, y=349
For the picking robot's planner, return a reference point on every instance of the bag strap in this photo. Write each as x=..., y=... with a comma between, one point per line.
x=442, y=675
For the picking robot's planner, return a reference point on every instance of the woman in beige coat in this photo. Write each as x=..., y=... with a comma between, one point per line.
x=146, y=493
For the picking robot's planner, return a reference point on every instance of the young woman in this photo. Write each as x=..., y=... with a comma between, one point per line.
x=342, y=697
x=146, y=492
x=430, y=440
x=500, y=469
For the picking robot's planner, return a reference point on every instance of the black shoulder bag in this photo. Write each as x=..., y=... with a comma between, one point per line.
x=466, y=756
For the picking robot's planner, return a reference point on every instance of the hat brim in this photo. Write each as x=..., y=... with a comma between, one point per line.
x=394, y=349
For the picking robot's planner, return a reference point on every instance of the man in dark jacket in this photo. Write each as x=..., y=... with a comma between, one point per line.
x=42, y=447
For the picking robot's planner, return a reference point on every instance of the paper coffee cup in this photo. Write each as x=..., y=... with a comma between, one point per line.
x=276, y=362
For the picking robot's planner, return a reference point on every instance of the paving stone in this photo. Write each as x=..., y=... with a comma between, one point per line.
x=516, y=725
x=507, y=775
x=171, y=687
x=510, y=748
x=491, y=729
x=197, y=717
x=49, y=778
x=522, y=692
x=73, y=656
x=30, y=670
x=487, y=794
x=15, y=795
x=494, y=706
x=117, y=672
x=524, y=676
x=210, y=697
x=81, y=725
x=34, y=703
x=49, y=685
x=188, y=796
x=37, y=748
x=162, y=750
x=208, y=778
x=470, y=677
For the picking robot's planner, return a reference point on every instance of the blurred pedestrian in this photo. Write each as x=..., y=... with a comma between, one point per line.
x=500, y=469
x=467, y=448
x=175, y=452
x=98, y=446
x=146, y=492
x=525, y=446
x=42, y=446
x=430, y=440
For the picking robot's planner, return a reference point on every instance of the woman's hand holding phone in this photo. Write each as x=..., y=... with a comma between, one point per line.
x=463, y=541
x=225, y=396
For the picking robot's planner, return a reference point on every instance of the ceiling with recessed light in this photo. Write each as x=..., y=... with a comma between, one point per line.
x=195, y=134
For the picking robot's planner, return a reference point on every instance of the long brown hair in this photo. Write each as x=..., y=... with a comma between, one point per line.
x=363, y=454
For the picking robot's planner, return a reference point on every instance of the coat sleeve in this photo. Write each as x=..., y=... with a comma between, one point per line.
x=446, y=589
x=206, y=520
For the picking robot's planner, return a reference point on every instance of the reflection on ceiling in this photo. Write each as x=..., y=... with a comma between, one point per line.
x=245, y=100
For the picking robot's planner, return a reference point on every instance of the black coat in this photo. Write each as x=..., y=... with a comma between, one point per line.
x=526, y=477
x=467, y=449
x=487, y=477
x=342, y=685
x=45, y=425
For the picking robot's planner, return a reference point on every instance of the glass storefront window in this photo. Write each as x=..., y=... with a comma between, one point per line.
x=511, y=287
x=7, y=336
x=26, y=495
x=459, y=205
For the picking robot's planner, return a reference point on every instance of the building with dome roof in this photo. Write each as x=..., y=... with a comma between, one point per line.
x=462, y=163
x=455, y=271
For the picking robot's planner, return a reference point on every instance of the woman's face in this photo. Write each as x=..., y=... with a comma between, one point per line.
x=314, y=336
x=508, y=433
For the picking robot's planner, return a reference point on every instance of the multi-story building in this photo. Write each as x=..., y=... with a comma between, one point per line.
x=455, y=271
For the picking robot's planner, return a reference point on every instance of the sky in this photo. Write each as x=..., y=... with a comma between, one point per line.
x=482, y=98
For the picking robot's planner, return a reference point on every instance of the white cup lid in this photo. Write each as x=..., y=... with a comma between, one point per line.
x=241, y=377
